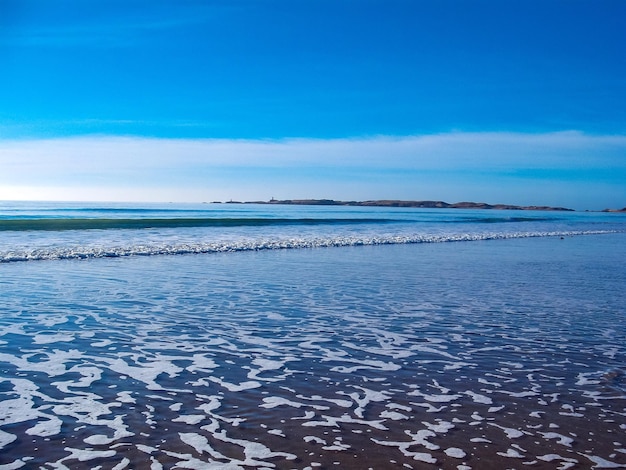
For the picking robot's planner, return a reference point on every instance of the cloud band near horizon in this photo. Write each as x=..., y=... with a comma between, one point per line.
x=492, y=166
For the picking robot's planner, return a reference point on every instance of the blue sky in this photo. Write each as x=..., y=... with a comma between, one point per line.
x=519, y=102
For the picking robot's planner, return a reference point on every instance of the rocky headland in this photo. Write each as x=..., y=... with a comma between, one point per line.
x=401, y=203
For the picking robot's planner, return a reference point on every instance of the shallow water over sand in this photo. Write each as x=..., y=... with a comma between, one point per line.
x=484, y=355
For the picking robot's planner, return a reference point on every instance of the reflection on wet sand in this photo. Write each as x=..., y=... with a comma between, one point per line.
x=302, y=376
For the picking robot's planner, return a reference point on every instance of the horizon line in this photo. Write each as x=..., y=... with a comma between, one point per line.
x=434, y=204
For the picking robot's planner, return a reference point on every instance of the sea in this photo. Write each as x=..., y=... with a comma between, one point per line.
x=266, y=336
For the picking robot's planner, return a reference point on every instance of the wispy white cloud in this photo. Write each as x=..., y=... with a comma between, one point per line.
x=447, y=166
x=439, y=151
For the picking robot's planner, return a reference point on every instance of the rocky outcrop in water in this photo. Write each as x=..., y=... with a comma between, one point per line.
x=401, y=203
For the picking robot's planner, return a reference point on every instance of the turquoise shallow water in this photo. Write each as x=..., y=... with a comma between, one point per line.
x=494, y=353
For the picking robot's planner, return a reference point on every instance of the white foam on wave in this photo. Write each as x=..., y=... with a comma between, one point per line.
x=273, y=402
x=19, y=463
x=232, y=387
x=18, y=409
x=599, y=462
x=455, y=452
x=89, y=375
x=50, y=427
x=84, y=455
x=436, y=398
x=583, y=378
x=480, y=440
x=201, y=444
x=511, y=433
x=146, y=372
x=262, y=244
x=337, y=445
x=419, y=438
x=479, y=398
x=397, y=406
x=511, y=453
x=393, y=415
x=367, y=364
x=264, y=365
x=441, y=427
x=561, y=439
x=429, y=407
x=23, y=409
x=335, y=401
x=254, y=450
x=395, y=346
x=53, y=364
x=52, y=338
x=6, y=438
x=189, y=419
x=53, y=320
x=363, y=400
x=125, y=397
x=334, y=421
x=567, y=462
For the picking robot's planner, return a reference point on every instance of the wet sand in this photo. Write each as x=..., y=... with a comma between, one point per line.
x=207, y=363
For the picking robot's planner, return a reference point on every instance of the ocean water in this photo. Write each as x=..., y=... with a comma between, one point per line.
x=234, y=336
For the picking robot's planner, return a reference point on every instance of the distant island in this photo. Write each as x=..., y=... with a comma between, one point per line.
x=400, y=203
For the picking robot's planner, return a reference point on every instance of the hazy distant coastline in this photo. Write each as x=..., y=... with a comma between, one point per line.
x=400, y=203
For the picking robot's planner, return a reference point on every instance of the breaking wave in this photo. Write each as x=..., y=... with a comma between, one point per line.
x=262, y=244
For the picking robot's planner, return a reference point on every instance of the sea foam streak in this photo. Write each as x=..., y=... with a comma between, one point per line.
x=151, y=249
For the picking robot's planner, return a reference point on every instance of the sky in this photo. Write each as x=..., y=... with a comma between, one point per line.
x=516, y=102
